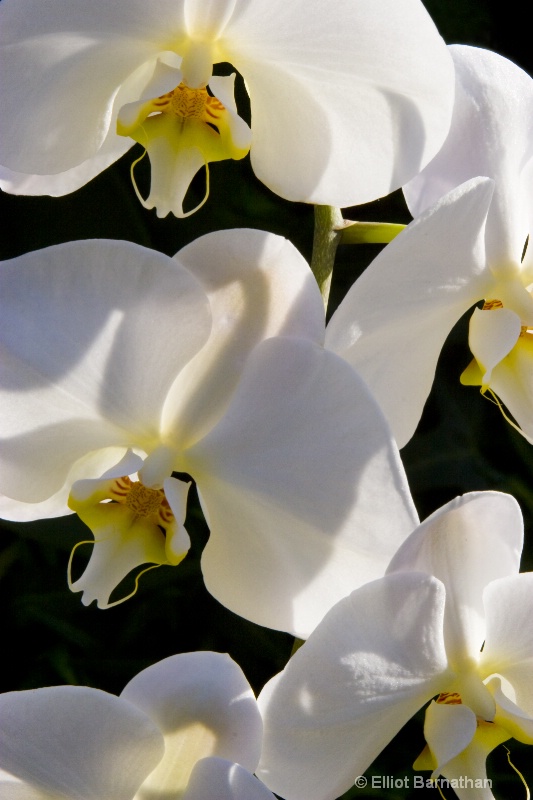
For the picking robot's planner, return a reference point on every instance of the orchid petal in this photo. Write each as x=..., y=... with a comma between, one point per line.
x=77, y=742
x=204, y=707
x=509, y=716
x=508, y=648
x=93, y=465
x=512, y=382
x=466, y=544
x=357, y=126
x=298, y=539
x=467, y=771
x=492, y=336
x=258, y=286
x=51, y=60
x=206, y=19
x=409, y=298
x=491, y=134
x=154, y=76
x=349, y=126
x=373, y=661
x=76, y=342
x=13, y=789
x=448, y=729
x=68, y=181
x=177, y=540
x=218, y=779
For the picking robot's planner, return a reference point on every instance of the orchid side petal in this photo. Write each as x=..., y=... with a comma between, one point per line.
x=508, y=648
x=394, y=320
x=219, y=779
x=67, y=56
x=203, y=705
x=206, y=20
x=372, y=662
x=13, y=789
x=89, y=354
x=77, y=742
x=299, y=539
x=490, y=134
x=258, y=286
x=469, y=542
x=330, y=80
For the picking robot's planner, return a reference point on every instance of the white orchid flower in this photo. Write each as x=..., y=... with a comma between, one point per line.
x=348, y=100
x=187, y=727
x=123, y=366
x=452, y=621
x=463, y=247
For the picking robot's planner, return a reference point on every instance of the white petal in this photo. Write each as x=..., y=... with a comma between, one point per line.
x=70, y=180
x=177, y=538
x=149, y=76
x=512, y=382
x=63, y=70
x=509, y=640
x=334, y=121
x=302, y=488
x=93, y=335
x=467, y=772
x=77, y=742
x=466, y=544
x=258, y=286
x=448, y=729
x=218, y=779
x=492, y=335
x=13, y=789
x=204, y=707
x=510, y=716
x=206, y=19
x=373, y=661
x=91, y=466
x=394, y=320
x=491, y=134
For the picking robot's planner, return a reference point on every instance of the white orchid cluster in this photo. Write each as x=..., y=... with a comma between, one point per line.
x=128, y=374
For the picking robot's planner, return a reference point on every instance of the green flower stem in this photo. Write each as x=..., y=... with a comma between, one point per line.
x=369, y=232
x=327, y=236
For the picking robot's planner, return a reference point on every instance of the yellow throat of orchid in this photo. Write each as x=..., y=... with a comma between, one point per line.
x=190, y=104
x=143, y=501
x=501, y=341
x=133, y=525
x=183, y=131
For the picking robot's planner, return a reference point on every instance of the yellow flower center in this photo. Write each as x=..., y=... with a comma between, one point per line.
x=142, y=500
x=190, y=104
x=183, y=131
x=449, y=698
x=488, y=305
